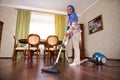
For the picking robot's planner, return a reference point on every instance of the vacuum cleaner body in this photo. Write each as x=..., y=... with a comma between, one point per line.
x=98, y=58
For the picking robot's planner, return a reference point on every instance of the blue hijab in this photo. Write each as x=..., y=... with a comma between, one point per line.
x=72, y=17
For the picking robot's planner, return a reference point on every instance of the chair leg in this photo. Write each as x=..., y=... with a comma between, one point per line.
x=64, y=55
x=56, y=54
x=48, y=54
x=25, y=54
x=37, y=55
x=15, y=55
x=29, y=54
x=44, y=56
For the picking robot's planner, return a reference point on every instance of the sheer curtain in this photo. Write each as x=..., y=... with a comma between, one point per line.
x=42, y=24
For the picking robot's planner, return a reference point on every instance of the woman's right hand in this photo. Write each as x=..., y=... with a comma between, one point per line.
x=66, y=34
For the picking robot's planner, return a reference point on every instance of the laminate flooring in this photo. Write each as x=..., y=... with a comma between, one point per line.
x=31, y=70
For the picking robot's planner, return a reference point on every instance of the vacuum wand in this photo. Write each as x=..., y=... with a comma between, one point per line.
x=54, y=69
x=62, y=45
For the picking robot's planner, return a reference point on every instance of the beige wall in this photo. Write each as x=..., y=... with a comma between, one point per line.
x=8, y=16
x=106, y=41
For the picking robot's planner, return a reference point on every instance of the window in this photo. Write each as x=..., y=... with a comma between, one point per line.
x=42, y=24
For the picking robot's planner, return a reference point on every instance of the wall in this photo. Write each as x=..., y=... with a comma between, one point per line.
x=8, y=16
x=107, y=40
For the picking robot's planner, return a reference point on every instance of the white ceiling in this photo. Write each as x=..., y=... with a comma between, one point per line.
x=55, y=6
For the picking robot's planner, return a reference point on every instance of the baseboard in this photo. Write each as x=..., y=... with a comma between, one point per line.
x=69, y=57
x=107, y=58
x=113, y=59
x=5, y=57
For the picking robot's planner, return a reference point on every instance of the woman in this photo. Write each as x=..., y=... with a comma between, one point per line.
x=74, y=34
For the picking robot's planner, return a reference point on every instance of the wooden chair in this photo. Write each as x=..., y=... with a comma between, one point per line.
x=18, y=49
x=51, y=47
x=33, y=45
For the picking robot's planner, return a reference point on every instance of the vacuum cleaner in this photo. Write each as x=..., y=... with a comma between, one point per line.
x=54, y=69
x=98, y=58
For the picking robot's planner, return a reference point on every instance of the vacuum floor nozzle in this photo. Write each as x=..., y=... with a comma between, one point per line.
x=50, y=69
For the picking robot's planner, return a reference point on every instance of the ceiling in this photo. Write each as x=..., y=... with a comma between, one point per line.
x=54, y=6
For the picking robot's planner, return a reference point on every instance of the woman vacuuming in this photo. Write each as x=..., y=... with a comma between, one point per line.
x=74, y=35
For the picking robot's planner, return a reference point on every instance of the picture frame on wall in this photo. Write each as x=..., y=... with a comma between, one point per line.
x=95, y=24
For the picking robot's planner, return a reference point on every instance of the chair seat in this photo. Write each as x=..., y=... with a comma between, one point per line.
x=51, y=49
x=34, y=48
x=20, y=48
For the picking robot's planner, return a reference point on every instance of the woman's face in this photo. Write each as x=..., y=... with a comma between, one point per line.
x=69, y=10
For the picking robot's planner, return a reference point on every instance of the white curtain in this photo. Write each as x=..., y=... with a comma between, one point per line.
x=42, y=24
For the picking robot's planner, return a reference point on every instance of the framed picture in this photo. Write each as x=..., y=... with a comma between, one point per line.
x=95, y=24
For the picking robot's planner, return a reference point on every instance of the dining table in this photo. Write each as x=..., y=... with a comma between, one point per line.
x=42, y=41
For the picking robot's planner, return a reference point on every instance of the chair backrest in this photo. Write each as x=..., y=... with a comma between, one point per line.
x=33, y=40
x=52, y=40
x=15, y=42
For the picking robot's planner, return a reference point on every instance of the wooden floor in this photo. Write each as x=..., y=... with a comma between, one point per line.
x=24, y=70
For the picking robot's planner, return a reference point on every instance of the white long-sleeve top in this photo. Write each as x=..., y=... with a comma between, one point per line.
x=73, y=28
